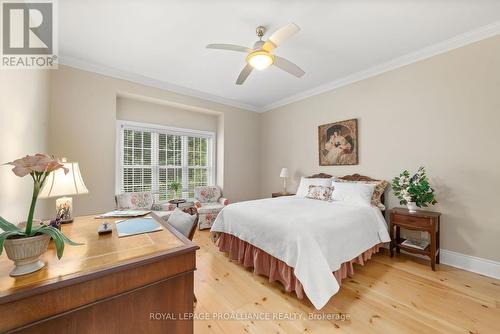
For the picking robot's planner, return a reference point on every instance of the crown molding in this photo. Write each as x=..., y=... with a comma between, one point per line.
x=475, y=35
x=147, y=81
x=472, y=36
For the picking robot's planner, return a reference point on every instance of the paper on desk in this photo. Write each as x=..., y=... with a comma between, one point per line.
x=124, y=213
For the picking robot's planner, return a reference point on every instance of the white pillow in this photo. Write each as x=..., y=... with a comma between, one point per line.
x=354, y=193
x=306, y=182
x=181, y=221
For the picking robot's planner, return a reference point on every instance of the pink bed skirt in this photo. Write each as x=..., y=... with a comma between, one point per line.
x=277, y=270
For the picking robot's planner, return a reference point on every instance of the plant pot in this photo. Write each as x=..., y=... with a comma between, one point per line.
x=412, y=207
x=25, y=253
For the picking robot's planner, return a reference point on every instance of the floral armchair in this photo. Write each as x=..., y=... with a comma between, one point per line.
x=142, y=201
x=209, y=201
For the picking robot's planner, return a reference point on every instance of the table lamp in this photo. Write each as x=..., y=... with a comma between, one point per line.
x=62, y=185
x=284, y=175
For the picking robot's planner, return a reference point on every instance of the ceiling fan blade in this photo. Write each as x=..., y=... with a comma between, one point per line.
x=245, y=72
x=280, y=36
x=288, y=66
x=230, y=47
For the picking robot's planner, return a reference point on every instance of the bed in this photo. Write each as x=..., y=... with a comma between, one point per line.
x=308, y=245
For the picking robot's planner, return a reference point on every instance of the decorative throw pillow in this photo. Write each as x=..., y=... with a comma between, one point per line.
x=322, y=193
x=181, y=221
x=305, y=182
x=379, y=190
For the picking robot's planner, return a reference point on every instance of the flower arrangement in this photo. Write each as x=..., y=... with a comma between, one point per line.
x=413, y=189
x=38, y=166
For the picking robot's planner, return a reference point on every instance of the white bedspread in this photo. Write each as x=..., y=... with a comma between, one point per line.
x=313, y=237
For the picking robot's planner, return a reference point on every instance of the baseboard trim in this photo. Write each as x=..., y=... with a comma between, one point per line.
x=470, y=263
x=474, y=264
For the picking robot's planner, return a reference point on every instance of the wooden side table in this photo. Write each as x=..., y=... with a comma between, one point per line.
x=424, y=221
x=281, y=194
x=177, y=201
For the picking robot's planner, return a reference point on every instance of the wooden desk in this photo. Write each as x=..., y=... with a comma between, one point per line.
x=108, y=285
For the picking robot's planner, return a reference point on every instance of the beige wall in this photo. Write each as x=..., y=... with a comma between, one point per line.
x=82, y=128
x=442, y=113
x=132, y=109
x=23, y=130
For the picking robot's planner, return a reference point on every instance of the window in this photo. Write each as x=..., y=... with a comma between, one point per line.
x=151, y=157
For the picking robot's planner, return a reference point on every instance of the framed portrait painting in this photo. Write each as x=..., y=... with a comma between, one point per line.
x=338, y=143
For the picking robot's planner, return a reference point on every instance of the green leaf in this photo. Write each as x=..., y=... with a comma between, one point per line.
x=57, y=239
x=66, y=239
x=5, y=235
x=6, y=226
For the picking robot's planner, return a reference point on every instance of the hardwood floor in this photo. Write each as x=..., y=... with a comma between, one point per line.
x=398, y=295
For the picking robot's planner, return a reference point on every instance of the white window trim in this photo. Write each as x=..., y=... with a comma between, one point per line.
x=166, y=129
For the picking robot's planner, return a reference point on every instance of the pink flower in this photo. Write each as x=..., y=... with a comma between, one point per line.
x=38, y=163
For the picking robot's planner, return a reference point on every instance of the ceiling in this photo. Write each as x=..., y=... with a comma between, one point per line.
x=163, y=42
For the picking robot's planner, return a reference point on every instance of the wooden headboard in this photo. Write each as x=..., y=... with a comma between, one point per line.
x=353, y=177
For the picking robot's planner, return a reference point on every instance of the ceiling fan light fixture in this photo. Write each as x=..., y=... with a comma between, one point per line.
x=260, y=56
x=260, y=60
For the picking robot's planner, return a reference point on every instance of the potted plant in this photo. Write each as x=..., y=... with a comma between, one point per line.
x=413, y=191
x=25, y=245
x=175, y=187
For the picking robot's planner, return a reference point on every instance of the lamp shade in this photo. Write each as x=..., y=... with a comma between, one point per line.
x=284, y=172
x=60, y=184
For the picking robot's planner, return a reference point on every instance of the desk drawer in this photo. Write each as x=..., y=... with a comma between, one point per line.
x=409, y=221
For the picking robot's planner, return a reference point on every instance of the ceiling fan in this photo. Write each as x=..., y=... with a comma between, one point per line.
x=260, y=56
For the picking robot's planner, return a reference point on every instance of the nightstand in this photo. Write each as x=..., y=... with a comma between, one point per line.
x=281, y=194
x=424, y=221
